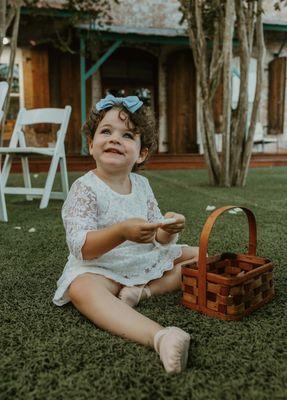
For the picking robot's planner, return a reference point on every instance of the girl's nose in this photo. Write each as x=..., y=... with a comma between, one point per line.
x=115, y=138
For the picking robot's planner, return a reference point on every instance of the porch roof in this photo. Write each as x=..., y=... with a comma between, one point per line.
x=159, y=35
x=142, y=34
x=138, y=34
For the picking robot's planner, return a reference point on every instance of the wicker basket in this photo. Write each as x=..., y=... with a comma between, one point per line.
x=229, y=285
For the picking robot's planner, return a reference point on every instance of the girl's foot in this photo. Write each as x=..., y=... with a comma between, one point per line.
x=133, y=294
x=172, y=345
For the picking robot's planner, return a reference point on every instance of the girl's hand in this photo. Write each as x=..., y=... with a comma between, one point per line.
x=139, y=230
x=176, y=226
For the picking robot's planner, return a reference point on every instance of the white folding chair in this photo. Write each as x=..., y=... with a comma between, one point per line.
x=17, y=147
x=3, y=93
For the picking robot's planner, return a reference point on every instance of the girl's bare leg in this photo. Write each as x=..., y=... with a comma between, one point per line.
x=171, y=280
x=95, y=297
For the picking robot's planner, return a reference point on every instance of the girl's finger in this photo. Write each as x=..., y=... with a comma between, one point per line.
x=153, y=226
x=149, y=229
x=148, y=235
x=147, y=239
x=174, y=228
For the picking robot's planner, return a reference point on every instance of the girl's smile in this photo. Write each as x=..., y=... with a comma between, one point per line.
x=115, y=151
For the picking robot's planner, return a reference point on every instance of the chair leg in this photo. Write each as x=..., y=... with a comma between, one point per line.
x=3, y=210
x=50, y=181
x=3, y=181
x=6, y=170
x=26, y=176
x=64, y=176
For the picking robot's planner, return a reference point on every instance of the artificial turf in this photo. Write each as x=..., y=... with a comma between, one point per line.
x=49, y=352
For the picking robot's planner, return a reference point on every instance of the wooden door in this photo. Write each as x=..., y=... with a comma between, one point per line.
x=181, y=103
x=276, y=95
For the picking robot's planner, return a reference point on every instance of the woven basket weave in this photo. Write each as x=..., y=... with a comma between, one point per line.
x=229, y=285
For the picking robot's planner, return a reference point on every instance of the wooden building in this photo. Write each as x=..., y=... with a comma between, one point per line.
x=144, y=51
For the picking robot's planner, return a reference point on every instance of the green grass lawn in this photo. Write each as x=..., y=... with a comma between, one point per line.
x=54, y=353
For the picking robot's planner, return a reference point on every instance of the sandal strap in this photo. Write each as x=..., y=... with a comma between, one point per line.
x=147, y=291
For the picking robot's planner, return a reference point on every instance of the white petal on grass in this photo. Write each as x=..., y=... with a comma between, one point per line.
x=17, y=227
x=235, y=210
x=32, y=230
x=210, y=208
x=35, y=175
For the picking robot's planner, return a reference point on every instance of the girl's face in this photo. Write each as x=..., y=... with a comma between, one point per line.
x=115, y=146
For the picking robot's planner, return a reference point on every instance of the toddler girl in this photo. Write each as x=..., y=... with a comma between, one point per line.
x=121, y=251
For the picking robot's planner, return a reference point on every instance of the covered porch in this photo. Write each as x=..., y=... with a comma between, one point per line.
x=156, y=162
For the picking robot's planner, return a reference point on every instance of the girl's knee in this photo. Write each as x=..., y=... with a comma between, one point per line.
x=189, y=252
x=85, y=283
x=78, y=286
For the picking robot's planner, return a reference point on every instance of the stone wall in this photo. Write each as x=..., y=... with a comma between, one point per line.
x=147, y=14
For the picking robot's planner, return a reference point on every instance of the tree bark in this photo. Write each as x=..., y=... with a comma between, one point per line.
x=238, y=139
x=254, y=115
x=209, y=128
x=227, y=56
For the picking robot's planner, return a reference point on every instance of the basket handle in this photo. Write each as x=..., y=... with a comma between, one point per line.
x=203, y=246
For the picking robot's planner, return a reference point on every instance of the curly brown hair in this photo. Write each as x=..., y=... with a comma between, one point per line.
x=143, y=123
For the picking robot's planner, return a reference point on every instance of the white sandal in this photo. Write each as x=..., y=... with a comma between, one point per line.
x=133, y=294
x=172, y=345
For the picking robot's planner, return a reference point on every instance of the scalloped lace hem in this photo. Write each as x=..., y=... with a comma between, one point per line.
x=61, y=296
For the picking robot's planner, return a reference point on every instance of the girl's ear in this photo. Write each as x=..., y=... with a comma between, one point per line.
x=143, y=155
x=90, y=144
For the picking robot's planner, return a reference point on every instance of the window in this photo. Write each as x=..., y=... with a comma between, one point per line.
x=145, y=94
x=15, y=90
x=131, y=72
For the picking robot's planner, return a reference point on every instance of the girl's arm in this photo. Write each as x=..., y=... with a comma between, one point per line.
x=134, y=229
x=168, y=233
x=99, y=242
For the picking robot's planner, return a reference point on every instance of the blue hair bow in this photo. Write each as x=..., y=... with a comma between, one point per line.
x=131, y=103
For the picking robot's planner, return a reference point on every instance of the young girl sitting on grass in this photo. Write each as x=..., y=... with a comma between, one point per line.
x=121, y=251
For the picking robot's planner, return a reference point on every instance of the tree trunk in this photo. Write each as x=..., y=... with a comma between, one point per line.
x=199, y=47
x=227, y=59
x=237, y=138
x=254, y=115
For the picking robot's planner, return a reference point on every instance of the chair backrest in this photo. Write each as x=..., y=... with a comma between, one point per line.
x=58, y=116
x=43, y=116
x=3, y=93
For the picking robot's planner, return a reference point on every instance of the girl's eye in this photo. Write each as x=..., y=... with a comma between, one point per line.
x=129, y=135
x=106, y=131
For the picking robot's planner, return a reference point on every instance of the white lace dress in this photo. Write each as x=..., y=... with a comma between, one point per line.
x=92, y=205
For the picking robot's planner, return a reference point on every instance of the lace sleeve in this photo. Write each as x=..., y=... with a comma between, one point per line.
x=79, y=215
x=153, y=211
